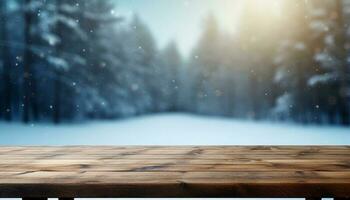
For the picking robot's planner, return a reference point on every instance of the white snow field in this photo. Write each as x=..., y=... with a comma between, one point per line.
x=173, y=129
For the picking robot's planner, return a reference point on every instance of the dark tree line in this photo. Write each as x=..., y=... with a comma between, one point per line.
x=69, y=60
x=64, y=60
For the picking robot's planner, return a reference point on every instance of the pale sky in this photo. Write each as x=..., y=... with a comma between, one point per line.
x=180, y=20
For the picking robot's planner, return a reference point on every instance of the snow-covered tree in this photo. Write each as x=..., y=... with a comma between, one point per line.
x=206, y=62
x=259, y=38
x=95, y=82
x=143, y=61
x=312, y=63
x=333, y=77
x=168, y=78
x=295, y=64
x=65, y=36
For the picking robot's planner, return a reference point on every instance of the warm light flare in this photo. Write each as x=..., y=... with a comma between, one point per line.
x=267, y=6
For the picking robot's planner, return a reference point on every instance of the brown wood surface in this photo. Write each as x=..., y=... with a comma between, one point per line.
x=189, y=171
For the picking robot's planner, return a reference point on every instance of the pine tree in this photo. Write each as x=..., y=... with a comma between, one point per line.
x=102, y=59
x=331, y=54
x=295, y=63
x=168, y=80
x=259, y=37
x=143, y=60
x=206, y=62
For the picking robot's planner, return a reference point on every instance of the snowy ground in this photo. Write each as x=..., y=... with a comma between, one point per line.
x=173, y=129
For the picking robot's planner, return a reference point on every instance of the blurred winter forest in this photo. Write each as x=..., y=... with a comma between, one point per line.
x=72, y=60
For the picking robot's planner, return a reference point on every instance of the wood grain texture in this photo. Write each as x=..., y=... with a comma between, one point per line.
x=173, y=171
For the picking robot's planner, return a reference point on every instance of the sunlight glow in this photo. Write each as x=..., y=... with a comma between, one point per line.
x=267, y=6
x=263, y=11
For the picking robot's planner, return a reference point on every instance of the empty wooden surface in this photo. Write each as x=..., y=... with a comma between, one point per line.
x=214, y=171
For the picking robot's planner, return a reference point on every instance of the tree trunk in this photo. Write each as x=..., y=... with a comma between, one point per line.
x=57, y=97
x=7, y=96
x=34, y=103
x=57, y=115
x=254, y=90
x=27, y=66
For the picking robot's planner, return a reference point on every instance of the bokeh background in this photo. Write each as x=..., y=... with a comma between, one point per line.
x=238, y=64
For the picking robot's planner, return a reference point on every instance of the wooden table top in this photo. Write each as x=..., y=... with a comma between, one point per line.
x=189, y=171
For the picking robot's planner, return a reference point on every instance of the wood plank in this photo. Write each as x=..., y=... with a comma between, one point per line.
x=181, y=157
x=177, y=167
x=189, y=171
x=181, y=150
x=54, y=161
x=70, y=177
